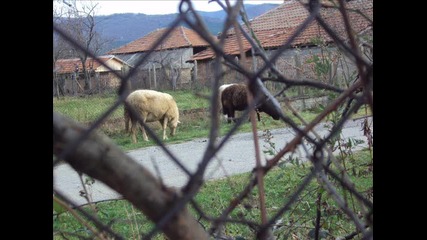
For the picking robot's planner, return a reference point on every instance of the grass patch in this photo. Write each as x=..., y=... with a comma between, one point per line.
x=280, y=183
x=89, y=108
x=216, y=195
x=186, y=99
x=86, y=109
x=124, y=220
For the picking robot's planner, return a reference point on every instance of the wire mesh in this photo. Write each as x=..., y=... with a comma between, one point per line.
x=324, y=202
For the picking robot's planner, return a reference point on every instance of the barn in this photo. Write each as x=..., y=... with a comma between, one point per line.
x=69, y=79
x=167, y=67
x=303, y=57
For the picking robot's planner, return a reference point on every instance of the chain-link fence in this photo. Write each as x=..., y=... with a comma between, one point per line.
x=326, y=202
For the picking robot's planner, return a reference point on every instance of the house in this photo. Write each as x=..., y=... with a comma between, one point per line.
x=276, y=26
x=69, y=76
x=167, y=66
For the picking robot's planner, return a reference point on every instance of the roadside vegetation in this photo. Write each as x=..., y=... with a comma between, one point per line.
x=216, y=195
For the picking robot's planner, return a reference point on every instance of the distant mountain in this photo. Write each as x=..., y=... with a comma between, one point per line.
x=126, y=27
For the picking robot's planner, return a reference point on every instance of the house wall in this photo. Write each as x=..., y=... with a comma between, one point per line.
x=206, y=73
x=102, y=80
x=168, y=66
x=144, y=79
x=112, y=63
x=175, y=57
x=324, y=64
x=298, y=63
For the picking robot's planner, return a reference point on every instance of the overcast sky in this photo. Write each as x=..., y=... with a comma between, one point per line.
x=108, y=7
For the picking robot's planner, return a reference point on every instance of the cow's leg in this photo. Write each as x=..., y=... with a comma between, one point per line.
x=232, y=112
x=173, y=130
x=164, y=125
x=144, y=134
x=133, y=129
x=229, y=116
x=127, y=119
x=226, y=112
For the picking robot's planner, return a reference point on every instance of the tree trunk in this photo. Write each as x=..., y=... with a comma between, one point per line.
x=73, y=86
x=88, y=84
x=98, y=157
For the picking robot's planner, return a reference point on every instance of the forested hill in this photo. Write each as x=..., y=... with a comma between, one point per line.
x=126, y=27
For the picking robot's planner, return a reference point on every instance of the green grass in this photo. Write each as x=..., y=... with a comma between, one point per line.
x=186, y=99
x=128, y=221
x=216, y=195
x=86, y=109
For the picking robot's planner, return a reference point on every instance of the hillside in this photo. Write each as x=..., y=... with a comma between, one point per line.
x=126, y=27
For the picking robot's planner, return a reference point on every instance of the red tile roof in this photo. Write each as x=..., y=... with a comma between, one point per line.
x=69, y=65
x=274, y=27
x=179, y=37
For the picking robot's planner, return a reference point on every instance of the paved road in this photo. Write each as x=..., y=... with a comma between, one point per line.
x=237, y=156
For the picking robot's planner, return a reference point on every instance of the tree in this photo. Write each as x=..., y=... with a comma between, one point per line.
x=152, y=197
x=77, y=20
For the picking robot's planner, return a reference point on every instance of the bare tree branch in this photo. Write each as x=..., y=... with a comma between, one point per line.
x=100, y=158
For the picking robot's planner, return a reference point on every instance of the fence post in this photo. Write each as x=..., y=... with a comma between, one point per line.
x=149, y=76
x=98, y=81
x=298, y=74
x=154, y=73
x=56, y=82
x=73, y=78
x=196, y=71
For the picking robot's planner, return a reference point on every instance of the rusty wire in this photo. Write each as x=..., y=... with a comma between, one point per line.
x=320, y=169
